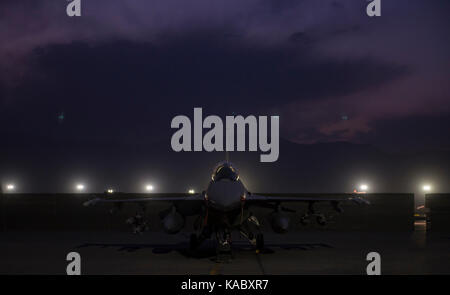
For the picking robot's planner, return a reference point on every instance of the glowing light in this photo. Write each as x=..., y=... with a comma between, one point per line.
x=110, y=191
x=426, y=187
x=364, y=187
x=80, y=187
x=10, y=187
x=149, y=187
x=191, y=191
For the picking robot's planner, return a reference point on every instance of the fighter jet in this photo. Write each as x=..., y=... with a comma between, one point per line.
x=225, y=206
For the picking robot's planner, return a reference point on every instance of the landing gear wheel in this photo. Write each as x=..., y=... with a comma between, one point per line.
x=223, y=248
x=259, y=242
x=193, y=242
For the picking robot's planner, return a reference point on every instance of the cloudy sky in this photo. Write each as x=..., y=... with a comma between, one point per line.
x=124, y=69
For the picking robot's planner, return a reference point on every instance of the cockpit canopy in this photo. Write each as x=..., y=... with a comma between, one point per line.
x=225, y=171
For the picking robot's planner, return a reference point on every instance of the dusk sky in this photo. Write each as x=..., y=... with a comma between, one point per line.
x=124, y=69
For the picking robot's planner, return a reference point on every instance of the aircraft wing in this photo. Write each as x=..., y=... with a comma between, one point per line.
x=120, y=198
x=308, y=198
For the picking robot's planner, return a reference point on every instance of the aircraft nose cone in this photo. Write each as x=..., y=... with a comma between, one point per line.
x=225, y=195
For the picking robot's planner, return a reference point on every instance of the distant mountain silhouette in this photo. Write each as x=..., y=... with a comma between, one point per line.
x=323, y=167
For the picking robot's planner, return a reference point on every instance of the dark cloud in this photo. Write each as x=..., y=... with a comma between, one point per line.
x=134, y=65
x=206, y=66
x=403, y=134
x=127, y=90
x=301, y=38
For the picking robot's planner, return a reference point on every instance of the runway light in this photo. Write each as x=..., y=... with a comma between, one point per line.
x=149, y=188
x=426, y=188
x=10, y=187
x=191, y=191
x=80, y=187
x=363, y=187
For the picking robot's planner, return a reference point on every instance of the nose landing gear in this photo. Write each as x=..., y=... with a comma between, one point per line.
x=223, y=248
x=223, y=238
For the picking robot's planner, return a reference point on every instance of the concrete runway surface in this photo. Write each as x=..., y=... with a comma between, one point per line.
x=314, y=252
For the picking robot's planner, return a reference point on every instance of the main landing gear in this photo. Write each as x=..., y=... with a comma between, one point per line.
x=248, y=229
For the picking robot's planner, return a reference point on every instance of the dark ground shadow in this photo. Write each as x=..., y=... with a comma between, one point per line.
x=207, y=249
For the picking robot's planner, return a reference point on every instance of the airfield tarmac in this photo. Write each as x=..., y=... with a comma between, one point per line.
x=310, y=252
